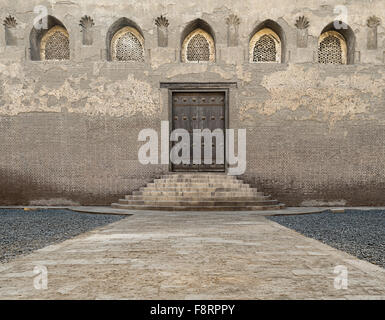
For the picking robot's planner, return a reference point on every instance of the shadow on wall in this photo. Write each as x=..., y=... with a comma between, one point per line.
x=294, y=195
x=19, y=189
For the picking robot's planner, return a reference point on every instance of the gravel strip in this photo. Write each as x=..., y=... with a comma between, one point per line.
x=359, y=233
x=22, y=232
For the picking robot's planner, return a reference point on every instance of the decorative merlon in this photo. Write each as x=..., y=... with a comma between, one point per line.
x=302, y=22
x=86, y=22
x=372, y=42
x=10, y=22
x=162, y=22
x=233, y=20
x=373, y=22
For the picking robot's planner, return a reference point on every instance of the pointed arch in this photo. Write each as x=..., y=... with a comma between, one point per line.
x=265, y=46
x=267, y=43
x=125, y=41
x=198, y=42
x=332, y=48
x=336, y=44
x=52, y=43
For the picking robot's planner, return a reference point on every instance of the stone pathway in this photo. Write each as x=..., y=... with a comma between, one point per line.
x=162, y=255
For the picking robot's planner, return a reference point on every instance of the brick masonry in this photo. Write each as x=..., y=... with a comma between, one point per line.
x=68, y=129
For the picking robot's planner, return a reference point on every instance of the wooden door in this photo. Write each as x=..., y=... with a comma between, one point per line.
x=200, y=110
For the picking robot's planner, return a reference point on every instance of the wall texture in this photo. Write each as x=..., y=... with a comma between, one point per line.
x=68, y=129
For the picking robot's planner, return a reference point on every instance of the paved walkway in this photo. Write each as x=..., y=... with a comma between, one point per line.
x=110, y=210
x=191, y=256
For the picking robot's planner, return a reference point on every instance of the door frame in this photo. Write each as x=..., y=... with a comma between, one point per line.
x=199, y=87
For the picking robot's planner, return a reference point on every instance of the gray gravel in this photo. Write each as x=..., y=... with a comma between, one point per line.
x=360, y=233
x=22, y=232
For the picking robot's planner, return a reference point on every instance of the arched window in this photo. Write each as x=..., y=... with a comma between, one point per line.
x=51, y=42
x=55, y=44
x=332, y=48
x=337, y=43
x=127, y=44
x=198, y=46
x=265, y=46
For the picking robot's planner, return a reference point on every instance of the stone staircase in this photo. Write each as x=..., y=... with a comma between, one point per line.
x=198, y=192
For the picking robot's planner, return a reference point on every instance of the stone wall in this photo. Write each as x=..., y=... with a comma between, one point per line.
x=68, y=129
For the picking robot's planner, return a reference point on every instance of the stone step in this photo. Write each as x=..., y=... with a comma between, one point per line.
x=203, y=198
x=232, y=181
x=250, y=192
x=190, y=189
x=198, y=192
x=197, y=208
x=200, y=203
x=199, y=176
x=196, y=185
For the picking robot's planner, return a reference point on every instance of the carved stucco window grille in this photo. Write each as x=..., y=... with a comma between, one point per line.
x=332, y=48
x=265, y=46
x=55, y=44
x=127, y=45
x=198, y=47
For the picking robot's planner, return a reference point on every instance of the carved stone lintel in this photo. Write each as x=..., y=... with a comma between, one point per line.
x=232, y=22
x=162, y=25
x=86, y=22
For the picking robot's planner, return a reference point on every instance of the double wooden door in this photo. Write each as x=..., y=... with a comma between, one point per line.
x=200, y=110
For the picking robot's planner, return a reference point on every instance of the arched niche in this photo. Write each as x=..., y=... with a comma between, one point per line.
x=125, y=41
x=49, y=42
x=338, y=34
x=269, y=37
x=198, y=42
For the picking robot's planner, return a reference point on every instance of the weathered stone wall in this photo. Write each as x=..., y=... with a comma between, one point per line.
x=68, y=129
